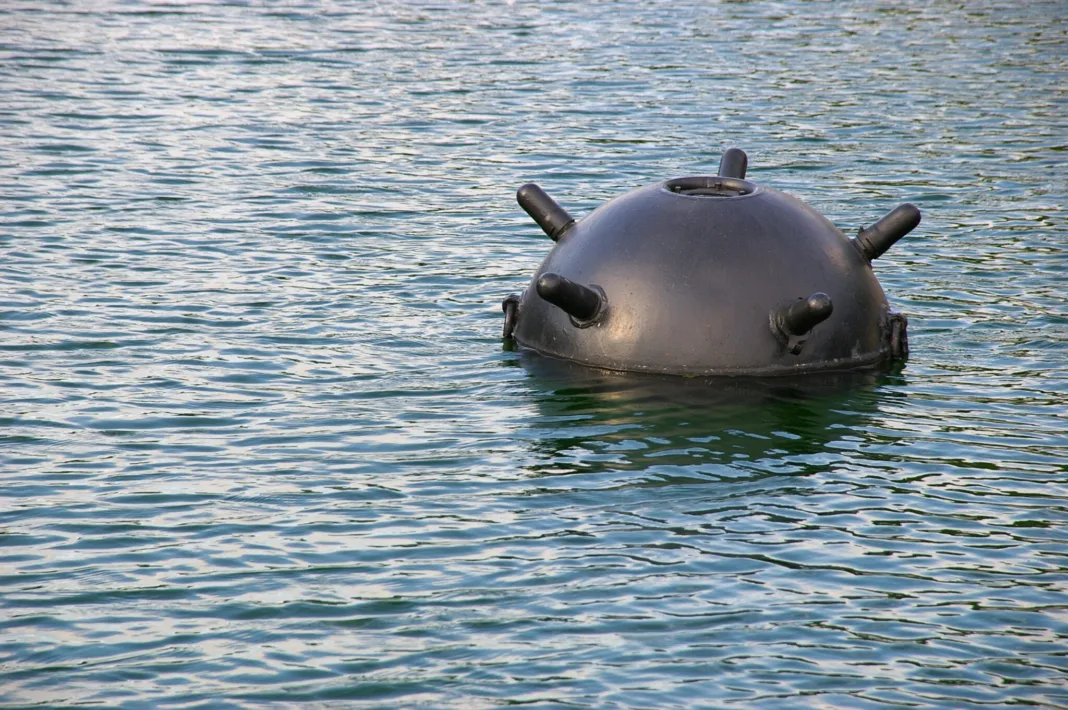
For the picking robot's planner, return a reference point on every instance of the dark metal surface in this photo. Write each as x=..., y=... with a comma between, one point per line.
x=691, y=269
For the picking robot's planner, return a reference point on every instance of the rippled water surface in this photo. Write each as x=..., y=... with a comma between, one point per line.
x=260, y=442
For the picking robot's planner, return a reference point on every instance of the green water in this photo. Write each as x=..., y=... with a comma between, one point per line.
x=261, y=445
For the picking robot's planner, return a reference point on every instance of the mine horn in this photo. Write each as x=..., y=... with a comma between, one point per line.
x=582, y=303
x=544, y=210
x=873, y=241
x=793, y=322
x=733, y=163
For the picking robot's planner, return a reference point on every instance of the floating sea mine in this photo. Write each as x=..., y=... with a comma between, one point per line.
x=710, y=275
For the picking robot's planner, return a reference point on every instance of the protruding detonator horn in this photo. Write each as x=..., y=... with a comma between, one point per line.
x=584, y=304
x=550, y=216
x=733, y=163
x=793, y=323
x=873, y=241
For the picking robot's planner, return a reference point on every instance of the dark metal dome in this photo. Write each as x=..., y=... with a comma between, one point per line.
x=710, y=275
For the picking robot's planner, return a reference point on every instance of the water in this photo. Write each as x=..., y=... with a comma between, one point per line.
x=261, y=443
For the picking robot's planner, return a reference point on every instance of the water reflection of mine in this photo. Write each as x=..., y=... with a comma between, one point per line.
x=694, y=429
